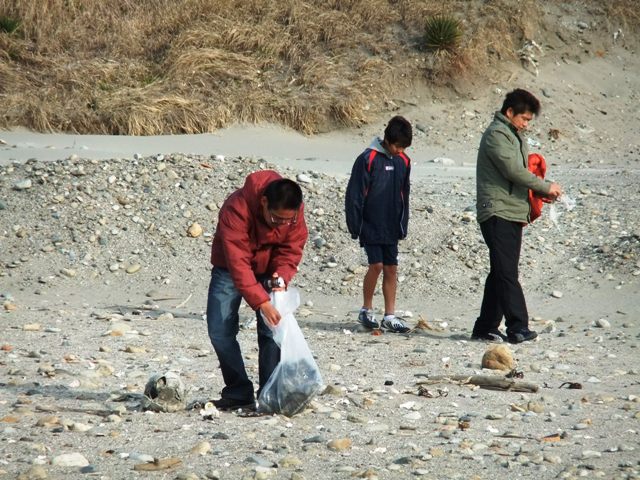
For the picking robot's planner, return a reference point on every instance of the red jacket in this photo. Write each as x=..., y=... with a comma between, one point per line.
x=246, y=246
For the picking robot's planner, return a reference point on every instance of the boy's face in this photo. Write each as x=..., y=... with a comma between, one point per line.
x=394, y=149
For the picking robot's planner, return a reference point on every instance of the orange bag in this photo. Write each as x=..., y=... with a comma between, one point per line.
x=538, y=166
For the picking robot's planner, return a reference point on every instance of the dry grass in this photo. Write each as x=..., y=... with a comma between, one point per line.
x=189, y=66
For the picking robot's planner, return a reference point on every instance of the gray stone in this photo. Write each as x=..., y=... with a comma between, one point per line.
x=22, y=184
x=74, y=459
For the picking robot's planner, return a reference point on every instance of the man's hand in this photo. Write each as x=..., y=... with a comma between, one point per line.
x=269, y=313
x=274, y=284
x=554, y=191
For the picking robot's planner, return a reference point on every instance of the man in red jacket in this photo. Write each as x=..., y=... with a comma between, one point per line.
x=260, y=235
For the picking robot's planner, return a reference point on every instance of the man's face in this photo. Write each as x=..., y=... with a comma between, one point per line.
x=277, y=217
x=520, y=120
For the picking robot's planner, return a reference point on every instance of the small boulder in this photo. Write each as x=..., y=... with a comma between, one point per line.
x=498, y=357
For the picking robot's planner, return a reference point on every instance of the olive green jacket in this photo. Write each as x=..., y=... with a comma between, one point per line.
x=503, y=179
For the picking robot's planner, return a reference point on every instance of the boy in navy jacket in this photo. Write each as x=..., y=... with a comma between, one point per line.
x=377, y=211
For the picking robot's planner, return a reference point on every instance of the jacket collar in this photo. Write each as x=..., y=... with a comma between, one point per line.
x=501, y=118
x=376, y=144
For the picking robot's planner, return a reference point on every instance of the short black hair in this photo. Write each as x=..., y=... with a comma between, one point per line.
x=283, y=194
x=398, y=132
x=520, y=101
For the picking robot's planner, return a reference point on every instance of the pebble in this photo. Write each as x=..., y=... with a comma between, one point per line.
x=556, y=294
x=314, y=439
x=445, y=162
x=602, y=323
x=194, y=230
x=74, y=459
x=68, y=272
x=590, y=454
x=412, y=416
x=187, y=476
x=290, y=461
x=22, y=184
x=201, y=448
x=36, y=472
x=133, y=268
x=340, y=444
x=553, y=459
x=262, y=462
x=139, y=457
x=303, y=178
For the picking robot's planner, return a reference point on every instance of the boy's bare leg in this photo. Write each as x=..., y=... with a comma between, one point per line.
x=389, y=284
x=369, y=284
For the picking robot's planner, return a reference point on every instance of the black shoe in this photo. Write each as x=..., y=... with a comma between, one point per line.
x=522, y=336
x=494, y=336
x=225, y=404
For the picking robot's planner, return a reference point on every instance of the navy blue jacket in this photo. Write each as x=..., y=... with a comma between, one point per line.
x=377, y=198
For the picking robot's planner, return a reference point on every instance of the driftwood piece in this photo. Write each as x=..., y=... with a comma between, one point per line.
x=88, y=411
x=483, y=381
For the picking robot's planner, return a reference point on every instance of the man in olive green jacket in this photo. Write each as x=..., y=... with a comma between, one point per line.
x=503, y=183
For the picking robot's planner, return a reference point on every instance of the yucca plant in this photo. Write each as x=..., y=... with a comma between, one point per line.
x=442, y=33
x=8, y=24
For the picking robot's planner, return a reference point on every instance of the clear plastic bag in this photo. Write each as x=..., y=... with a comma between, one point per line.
x=565, y=202
x=296, y=379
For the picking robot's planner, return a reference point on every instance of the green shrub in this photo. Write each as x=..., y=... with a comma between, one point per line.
x=8, y=24
x=442, y=33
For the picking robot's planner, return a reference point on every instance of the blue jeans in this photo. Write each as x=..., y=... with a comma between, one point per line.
x=222, y=323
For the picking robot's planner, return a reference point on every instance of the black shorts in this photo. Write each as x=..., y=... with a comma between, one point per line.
x=385, y=254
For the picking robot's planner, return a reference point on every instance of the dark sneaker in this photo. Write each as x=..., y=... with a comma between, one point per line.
x=494, y=336
x=368, y=319
x=522, y=336
x=226, y=404
x=394, y=324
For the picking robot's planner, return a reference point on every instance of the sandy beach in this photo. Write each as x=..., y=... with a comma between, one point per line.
x=102, y=287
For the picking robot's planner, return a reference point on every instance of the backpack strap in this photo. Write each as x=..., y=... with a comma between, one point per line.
x=372, y=155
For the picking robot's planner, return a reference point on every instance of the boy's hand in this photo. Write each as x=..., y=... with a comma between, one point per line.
x=269, y=313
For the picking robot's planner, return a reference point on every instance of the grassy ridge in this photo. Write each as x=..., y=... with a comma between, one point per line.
x=187, y=66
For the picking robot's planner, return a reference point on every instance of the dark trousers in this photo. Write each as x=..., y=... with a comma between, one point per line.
x=223, y=325
x=503, y=294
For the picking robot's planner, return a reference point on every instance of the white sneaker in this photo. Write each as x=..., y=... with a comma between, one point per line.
x=394, y=324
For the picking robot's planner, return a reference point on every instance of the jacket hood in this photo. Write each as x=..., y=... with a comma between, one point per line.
x=254, y=187
x=376, y=144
